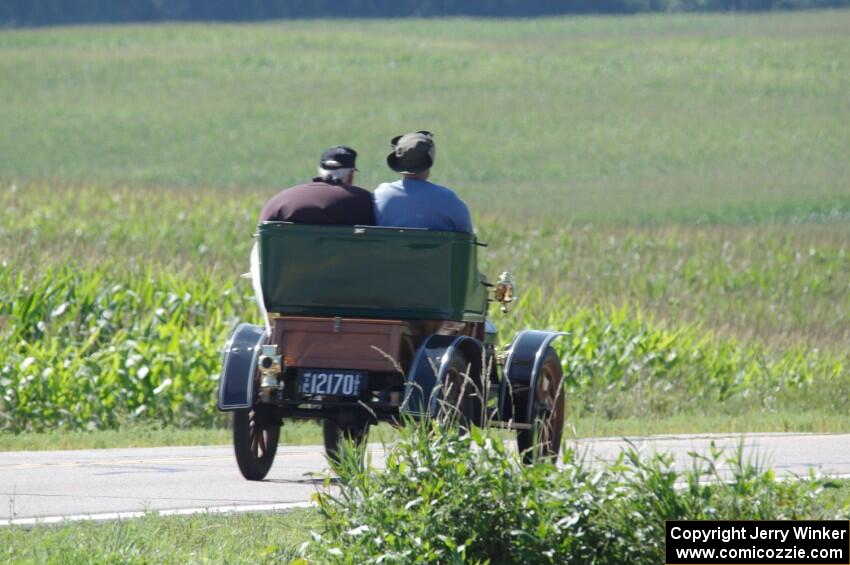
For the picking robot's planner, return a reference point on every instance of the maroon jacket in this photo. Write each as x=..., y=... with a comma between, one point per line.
x=321, y=202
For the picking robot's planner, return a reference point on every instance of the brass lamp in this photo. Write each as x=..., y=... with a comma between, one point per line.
x=505, y=290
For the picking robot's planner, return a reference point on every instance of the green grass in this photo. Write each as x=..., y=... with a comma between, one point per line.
x=126, y=436
x=719, y=118
x=228, y=538
x=152, y=434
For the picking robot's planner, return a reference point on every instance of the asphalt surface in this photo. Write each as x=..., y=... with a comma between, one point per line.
x=108, y=483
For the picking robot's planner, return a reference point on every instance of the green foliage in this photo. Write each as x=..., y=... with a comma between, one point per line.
x=449, y=497
x=781, y=285
x=619, y=366
x=84, y=349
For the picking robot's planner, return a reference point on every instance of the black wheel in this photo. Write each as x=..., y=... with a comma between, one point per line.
x=543, y=440
x=333, y=433
x=255, y=440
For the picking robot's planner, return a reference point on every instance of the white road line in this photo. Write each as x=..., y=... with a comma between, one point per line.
x=46, y=520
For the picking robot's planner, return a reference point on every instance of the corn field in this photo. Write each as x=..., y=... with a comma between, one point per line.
x=105, y=321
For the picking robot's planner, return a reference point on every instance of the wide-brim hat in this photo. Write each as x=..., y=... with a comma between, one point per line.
x=412, y=152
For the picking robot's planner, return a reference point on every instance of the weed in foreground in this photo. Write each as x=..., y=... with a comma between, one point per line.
x=450, y=496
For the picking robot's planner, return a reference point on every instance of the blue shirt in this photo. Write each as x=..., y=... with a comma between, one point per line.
x=409, y=203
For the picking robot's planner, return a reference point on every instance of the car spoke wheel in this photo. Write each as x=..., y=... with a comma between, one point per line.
x=543, y=440
x=255, y=441
x=335, y=433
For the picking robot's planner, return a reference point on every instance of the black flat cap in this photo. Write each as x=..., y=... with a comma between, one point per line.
x=338, y=157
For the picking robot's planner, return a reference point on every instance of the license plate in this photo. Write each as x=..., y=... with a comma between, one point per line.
x=331, y=382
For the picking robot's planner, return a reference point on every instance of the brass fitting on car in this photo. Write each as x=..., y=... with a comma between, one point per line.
x=502, y=356
x=505, y=290
x=270, y=365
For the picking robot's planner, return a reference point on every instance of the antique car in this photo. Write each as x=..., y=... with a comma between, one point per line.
x=367, y=324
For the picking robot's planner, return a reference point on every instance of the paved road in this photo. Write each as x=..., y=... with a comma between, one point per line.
x=36, y=485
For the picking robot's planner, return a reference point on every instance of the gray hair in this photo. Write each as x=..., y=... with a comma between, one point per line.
x=335, y=175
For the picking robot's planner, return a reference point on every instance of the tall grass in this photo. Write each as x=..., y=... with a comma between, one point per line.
x=780, y=285
x=449, y=497
x=85, y=350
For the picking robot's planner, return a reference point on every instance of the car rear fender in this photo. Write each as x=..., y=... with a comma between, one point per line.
x=239, y=366
x=429, y=367
x=522, y=367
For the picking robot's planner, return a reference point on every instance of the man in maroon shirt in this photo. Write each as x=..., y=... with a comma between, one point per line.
x=330, y=198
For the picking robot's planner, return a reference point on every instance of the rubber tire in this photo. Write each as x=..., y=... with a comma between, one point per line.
x=253, y=465
x=544, y=441
x=332, y=434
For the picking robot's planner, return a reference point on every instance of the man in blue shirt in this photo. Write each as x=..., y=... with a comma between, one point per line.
x=413, y=201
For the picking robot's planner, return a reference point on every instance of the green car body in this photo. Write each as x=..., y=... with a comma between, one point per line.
x=371, y=272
